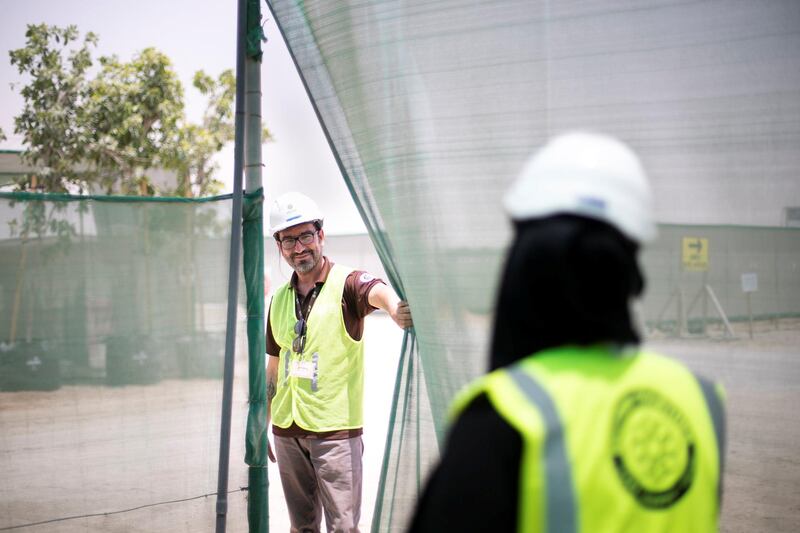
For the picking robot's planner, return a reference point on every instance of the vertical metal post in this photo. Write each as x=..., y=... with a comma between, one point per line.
x=704, y=321
x=253, y=163
x=256, y=444
x=233, y=275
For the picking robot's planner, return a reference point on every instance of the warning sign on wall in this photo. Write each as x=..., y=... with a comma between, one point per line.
x=750, y=282
x=695, y=254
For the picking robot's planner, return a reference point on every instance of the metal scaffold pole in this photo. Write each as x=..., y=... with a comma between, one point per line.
x=233, y=276
x=256, y=444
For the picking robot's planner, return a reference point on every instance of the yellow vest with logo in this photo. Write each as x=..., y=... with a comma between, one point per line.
x=612, y=442
x=331, y=398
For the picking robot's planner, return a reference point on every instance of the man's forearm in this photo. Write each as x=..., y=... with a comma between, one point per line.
x=383, y=297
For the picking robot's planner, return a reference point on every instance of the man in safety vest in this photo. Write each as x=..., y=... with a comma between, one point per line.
x=576, y=429
x=315, y=373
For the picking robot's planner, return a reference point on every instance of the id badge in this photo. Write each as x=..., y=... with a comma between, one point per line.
x=301, y=369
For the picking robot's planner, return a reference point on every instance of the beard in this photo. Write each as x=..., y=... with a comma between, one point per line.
x=307, y=262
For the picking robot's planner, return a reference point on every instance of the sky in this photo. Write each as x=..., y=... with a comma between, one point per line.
x=195, y=35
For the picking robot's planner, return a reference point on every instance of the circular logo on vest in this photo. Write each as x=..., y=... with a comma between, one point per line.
x=654, y=449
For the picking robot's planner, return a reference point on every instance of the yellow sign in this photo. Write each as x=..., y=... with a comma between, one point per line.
x=695, y=254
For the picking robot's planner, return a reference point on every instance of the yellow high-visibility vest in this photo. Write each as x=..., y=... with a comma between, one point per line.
x=612, y=441
x=321, y=389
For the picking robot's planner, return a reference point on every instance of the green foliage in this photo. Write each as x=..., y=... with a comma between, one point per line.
x=111, y=133
x=39, y=222
x=199, y=142
x=134, y=110
x=53, y=119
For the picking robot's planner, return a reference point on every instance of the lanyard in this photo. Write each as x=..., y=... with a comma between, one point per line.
x=298, y=306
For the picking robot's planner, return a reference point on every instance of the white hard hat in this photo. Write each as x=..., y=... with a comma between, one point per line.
x=291, y=209
x=590, y=175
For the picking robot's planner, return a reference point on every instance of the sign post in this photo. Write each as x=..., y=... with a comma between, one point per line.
x=749, y=286
x=694, y=256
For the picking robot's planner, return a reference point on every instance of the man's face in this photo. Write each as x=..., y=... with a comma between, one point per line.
x=302, y=257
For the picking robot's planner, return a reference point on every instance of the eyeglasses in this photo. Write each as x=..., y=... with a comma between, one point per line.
x=299, y=343
x=287, y=243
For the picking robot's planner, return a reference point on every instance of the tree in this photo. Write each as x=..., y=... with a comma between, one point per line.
x=193, y=158
x=199, y=142
x=111, y=132
x=134, y=111
x=53, y=118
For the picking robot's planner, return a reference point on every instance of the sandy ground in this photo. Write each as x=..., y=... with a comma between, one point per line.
x=85, y=450
x=92, y=450
x=762, y=380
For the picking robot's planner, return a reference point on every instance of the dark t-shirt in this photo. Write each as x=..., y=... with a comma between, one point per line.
x=479, y=469
x=355, y=307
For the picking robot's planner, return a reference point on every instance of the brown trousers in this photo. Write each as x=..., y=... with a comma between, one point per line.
x=319, y=474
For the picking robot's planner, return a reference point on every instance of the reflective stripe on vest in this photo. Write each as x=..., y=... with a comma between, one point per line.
x=320, y=389
x=560, y=496
x=582, y=413
x=717, y=412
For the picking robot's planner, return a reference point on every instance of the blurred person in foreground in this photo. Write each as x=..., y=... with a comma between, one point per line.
x=576, y=428
x=315, y=372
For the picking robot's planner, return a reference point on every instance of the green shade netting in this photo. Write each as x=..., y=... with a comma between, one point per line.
x=256, y=438
x=112, y=338
x=432, y=108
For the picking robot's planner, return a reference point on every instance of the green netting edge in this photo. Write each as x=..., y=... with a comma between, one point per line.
x=375, y=235
x=406, y=364
x=256, y=443
x=60, y=197
x=724, y=226
x=253, y=264
x=379, y=239
x=383, y=248
x=255, y=33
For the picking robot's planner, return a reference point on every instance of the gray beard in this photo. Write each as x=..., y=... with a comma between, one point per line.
x=307, y=265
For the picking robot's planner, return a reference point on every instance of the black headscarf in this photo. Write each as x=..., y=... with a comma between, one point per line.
x=567, y=280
